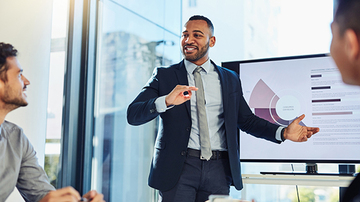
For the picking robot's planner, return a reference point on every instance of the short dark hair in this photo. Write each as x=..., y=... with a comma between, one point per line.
x=347, y=15
x=6, y=50
x=207, y=20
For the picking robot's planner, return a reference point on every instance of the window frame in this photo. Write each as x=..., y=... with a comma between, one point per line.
x=79, y=81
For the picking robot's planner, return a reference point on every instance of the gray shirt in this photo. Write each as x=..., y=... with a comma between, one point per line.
x=214, y=107
x=19, y=166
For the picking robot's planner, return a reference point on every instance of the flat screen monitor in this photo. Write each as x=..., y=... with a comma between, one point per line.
x=281, y=89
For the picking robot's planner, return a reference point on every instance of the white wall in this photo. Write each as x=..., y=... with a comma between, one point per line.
x=26, y=24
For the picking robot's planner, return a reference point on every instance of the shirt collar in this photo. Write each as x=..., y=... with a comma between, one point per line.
x=190, y=67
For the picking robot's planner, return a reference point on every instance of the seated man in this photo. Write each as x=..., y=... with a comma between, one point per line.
x=19, y=166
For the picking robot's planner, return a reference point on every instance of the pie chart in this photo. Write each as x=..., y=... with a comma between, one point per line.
x=278, y=109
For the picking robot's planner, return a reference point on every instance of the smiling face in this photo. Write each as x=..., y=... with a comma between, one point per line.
x=13, y=91
x=196, y=40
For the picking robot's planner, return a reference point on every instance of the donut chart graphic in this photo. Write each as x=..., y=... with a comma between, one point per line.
x=276, y=109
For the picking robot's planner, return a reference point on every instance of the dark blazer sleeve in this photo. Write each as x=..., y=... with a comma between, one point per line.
x=254, y=125
x=237, y=108
x=143, y=108
x=237, y=115
x=174, y=125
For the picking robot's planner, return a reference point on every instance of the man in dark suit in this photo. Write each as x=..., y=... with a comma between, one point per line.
x=188, y=165
x=345, y=49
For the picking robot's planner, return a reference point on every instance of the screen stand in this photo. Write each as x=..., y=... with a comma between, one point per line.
x=311, y=169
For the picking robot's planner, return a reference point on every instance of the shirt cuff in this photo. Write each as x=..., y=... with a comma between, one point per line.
x=161, y=105
x=278, y=135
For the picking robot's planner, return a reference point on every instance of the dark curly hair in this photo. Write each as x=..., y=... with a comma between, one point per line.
x=6, y=50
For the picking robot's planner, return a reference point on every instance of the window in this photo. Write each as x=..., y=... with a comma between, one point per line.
x=132, y=41
x=133, y=37
x=56, y=84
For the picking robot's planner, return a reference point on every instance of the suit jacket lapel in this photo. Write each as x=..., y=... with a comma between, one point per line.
x=181, y=74
x=224, y=90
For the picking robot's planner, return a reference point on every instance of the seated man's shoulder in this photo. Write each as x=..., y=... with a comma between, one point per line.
x=11, y=128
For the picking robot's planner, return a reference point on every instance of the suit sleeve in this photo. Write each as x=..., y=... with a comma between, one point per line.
x=254, y=125
x=143, y=109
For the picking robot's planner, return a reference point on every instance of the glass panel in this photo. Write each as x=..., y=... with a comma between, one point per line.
x=56, y=85
x=159, y=12
x=130, y=45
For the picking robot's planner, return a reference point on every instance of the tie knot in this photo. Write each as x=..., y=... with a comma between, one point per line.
x=197, y=69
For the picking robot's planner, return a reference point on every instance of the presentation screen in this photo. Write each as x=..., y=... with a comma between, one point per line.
x=281, y=89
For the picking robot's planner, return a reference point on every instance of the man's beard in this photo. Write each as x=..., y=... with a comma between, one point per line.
x=201, y=53
x=13, y=101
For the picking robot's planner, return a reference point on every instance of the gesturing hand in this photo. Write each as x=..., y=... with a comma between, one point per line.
x=178, y=96
x=298, y=133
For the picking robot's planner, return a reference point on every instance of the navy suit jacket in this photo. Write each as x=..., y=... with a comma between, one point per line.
x=175, y=124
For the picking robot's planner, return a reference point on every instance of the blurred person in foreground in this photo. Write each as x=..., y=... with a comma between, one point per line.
x=19, y=165
x=345, y=50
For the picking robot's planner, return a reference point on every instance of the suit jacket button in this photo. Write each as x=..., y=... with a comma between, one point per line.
x=188, y=129
x=183, y=153
x=152, y=110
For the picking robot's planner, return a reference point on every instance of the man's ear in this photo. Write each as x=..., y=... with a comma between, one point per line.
x=212, y=41
x=352, y=45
